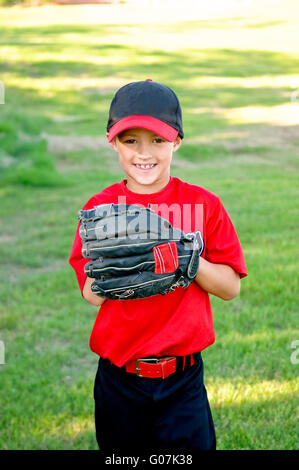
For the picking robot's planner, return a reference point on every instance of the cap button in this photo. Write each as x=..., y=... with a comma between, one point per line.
x=149, y=80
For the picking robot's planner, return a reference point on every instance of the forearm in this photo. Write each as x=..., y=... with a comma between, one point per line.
x=89, y=295
x=218, y=279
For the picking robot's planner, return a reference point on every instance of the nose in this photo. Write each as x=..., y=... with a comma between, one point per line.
x=144, y=151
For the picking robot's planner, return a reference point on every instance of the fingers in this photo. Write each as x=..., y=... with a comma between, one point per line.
x=120, y=266
x=135, y=286
x=113, y=248
x=114, y=221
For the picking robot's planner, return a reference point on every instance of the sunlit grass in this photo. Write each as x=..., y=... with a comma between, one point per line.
x=237, y=392
x=286, y=115
x=288, y=82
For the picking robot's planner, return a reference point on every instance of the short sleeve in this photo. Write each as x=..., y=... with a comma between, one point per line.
x=76, y=259
x=222, y=243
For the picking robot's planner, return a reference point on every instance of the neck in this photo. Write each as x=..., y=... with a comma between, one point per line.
x=144, y=189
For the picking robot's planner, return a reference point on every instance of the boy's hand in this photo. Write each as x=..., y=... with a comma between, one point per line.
x=136, y=253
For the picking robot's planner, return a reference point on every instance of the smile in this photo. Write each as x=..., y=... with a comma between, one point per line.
x=147, y=166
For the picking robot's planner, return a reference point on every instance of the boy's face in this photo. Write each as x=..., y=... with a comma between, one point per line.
x=145, y=157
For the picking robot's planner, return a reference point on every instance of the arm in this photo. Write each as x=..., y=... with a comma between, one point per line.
x=92, y=298
x=218, y=279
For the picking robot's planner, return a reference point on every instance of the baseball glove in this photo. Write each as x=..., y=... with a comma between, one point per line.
x=136, y=253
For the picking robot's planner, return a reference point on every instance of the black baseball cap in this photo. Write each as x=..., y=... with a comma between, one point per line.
x=146, y=104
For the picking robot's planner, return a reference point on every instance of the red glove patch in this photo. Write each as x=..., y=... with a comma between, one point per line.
x=166, y=258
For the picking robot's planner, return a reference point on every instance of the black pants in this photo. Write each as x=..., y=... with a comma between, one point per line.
x=140, y=414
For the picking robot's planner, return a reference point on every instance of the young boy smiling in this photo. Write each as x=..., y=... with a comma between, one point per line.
x=145, y=158
x=143, y=413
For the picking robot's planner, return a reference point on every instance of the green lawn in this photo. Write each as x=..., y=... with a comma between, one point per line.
x=241, y=142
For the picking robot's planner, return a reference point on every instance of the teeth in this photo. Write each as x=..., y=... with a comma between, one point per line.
x=151, y=165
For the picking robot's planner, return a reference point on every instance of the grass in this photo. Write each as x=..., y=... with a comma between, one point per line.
x=59, y=80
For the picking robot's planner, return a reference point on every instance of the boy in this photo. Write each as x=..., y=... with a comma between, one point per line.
x=140, y=413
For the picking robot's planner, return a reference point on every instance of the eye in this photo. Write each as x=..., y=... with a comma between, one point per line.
x=159, y=140
x=129, y=141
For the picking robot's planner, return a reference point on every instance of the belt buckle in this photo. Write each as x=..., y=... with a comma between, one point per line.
x=152, y=359
x=155, y=360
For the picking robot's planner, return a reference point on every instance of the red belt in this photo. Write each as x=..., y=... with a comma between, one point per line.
x=155, y=367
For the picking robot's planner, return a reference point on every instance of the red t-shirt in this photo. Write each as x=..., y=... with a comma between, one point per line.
x=178, y=323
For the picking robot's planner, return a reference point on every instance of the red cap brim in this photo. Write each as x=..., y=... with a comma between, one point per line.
x=146, y=122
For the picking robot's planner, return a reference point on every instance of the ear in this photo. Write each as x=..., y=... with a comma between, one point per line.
x=177, y=143
x=112, y=143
